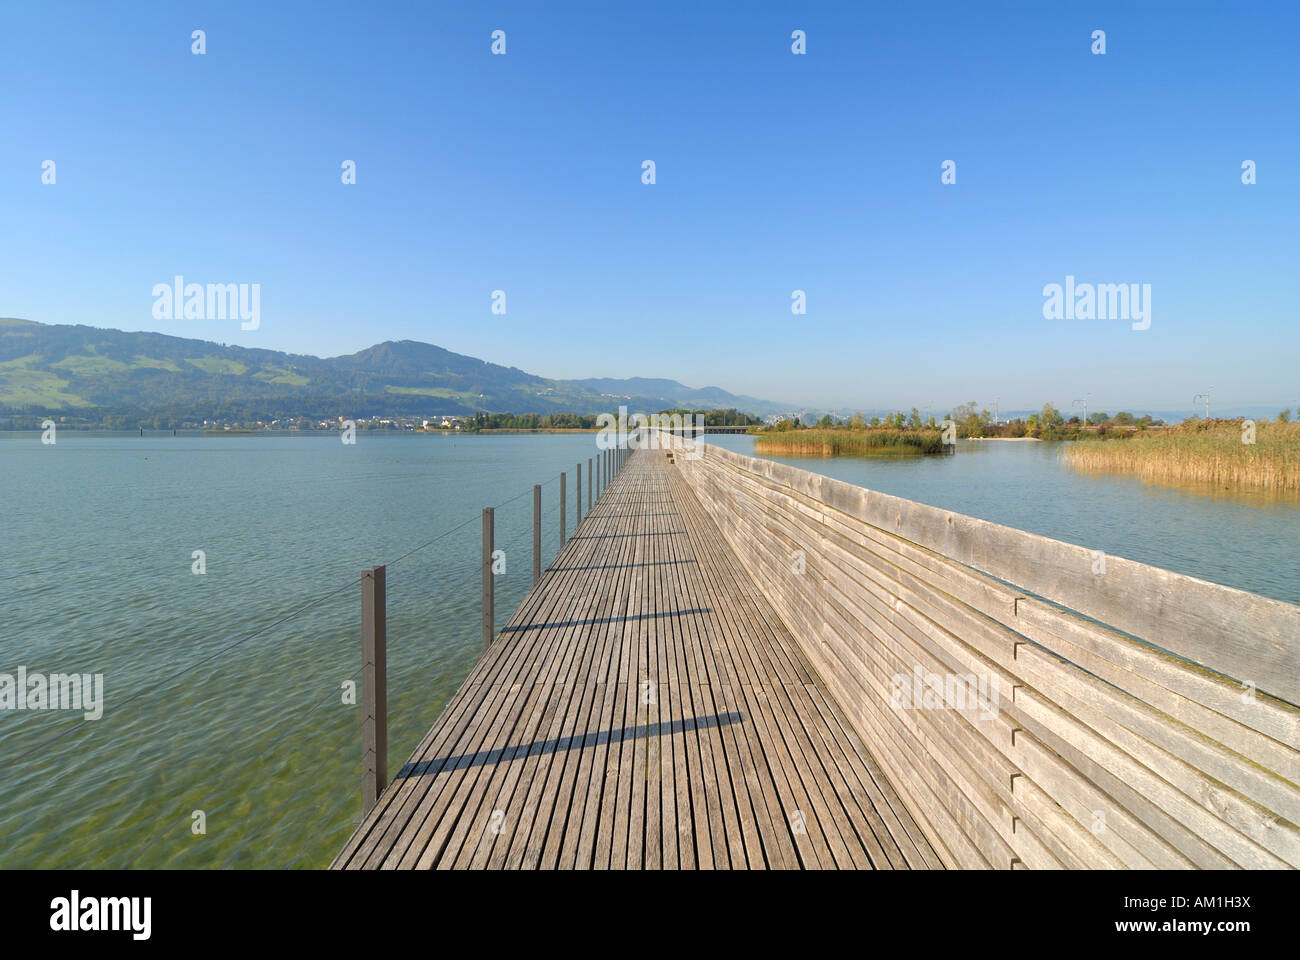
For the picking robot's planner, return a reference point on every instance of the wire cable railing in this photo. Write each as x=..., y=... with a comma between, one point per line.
x=373, y=703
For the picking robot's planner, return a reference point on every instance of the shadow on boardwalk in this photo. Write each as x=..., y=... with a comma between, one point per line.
x=556, y=744
x=621, y=566
x=602, y=620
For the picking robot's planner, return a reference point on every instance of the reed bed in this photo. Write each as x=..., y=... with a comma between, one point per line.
x=1201, y=452
x=840, y=443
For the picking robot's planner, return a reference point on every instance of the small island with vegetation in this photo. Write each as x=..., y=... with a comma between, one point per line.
x=897, y=435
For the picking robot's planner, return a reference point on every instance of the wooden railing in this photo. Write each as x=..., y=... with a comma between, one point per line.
x=601, y=470
x=1123, y=715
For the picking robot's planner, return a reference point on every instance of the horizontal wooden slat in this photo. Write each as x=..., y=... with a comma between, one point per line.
x=1247, y=637
x=1111, y=750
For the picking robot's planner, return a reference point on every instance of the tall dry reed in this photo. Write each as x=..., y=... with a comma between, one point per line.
x=1202, y=451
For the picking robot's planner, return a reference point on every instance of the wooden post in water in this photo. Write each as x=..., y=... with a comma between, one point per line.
x=537, y=532
x=489, y=597
x=564, y=504
x=589, y=485
x=374, y=687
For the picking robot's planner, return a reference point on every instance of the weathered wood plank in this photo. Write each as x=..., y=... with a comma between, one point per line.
x=645, y=707
x=1242, y=635
x=1107, y=749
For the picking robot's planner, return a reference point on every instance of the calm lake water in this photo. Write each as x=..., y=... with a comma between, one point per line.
x=95, y=577
x=216, y=702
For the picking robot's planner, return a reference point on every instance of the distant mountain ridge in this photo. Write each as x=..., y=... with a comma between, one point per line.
x=670, y=393
x=90, y=372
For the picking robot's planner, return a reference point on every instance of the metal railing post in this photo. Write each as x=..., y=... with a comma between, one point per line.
x=374, y=687
x=489, y=597
x=564, y=503
x=537, y=532
x=577, y=500
x=589, y=485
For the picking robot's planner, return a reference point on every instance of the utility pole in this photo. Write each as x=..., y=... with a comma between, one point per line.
x=1206, y=397
x=1083, y=403
x=996, y=421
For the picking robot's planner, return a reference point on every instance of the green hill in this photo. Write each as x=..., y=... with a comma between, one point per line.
x=94, y=373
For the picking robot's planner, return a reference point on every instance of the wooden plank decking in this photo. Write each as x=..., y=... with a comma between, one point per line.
x=644, y=708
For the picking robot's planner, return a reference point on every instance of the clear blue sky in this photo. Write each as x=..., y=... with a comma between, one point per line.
x=775, y=172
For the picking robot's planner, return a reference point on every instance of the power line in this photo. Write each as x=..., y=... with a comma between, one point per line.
x=196, y=664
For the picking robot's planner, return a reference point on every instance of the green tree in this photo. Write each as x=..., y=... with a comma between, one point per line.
x=1284, y=416
x=967, y=418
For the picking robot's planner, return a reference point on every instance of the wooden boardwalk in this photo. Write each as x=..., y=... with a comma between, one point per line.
x=644, y=708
